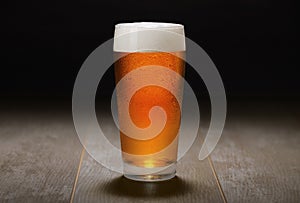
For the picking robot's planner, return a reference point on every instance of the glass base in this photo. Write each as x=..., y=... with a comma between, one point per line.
x=150, y=178
x=150, y=175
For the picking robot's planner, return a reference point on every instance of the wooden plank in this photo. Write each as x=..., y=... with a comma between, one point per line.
x=39, y=155
x=257, y=158
x=194, y=183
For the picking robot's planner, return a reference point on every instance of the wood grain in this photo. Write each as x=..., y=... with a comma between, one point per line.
x=258, y=157
x=39, y=155
x=256, y=160
x=195, y=182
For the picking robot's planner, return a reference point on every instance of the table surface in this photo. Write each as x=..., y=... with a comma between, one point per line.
x=256, y=160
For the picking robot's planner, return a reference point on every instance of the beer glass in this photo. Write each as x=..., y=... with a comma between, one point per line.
x=148, y=74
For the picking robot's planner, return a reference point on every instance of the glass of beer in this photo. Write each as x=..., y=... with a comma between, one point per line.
x=149, y=69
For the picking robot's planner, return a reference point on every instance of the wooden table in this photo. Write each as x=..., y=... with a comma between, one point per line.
x=256, y=160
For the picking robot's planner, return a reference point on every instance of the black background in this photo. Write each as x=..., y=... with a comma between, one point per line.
x=252, y=43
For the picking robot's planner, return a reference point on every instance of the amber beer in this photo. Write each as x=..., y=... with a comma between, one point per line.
x=141, y=157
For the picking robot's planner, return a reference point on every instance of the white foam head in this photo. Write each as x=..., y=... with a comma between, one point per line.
x=149, y=36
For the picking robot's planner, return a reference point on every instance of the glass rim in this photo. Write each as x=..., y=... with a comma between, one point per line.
x=150, y=25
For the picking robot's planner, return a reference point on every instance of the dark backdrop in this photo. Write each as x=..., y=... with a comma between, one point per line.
x=253, y=43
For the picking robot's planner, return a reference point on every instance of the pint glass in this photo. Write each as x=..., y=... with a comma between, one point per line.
x=148, y=74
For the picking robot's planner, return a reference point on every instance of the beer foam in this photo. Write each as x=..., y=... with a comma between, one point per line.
x=149, y=37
